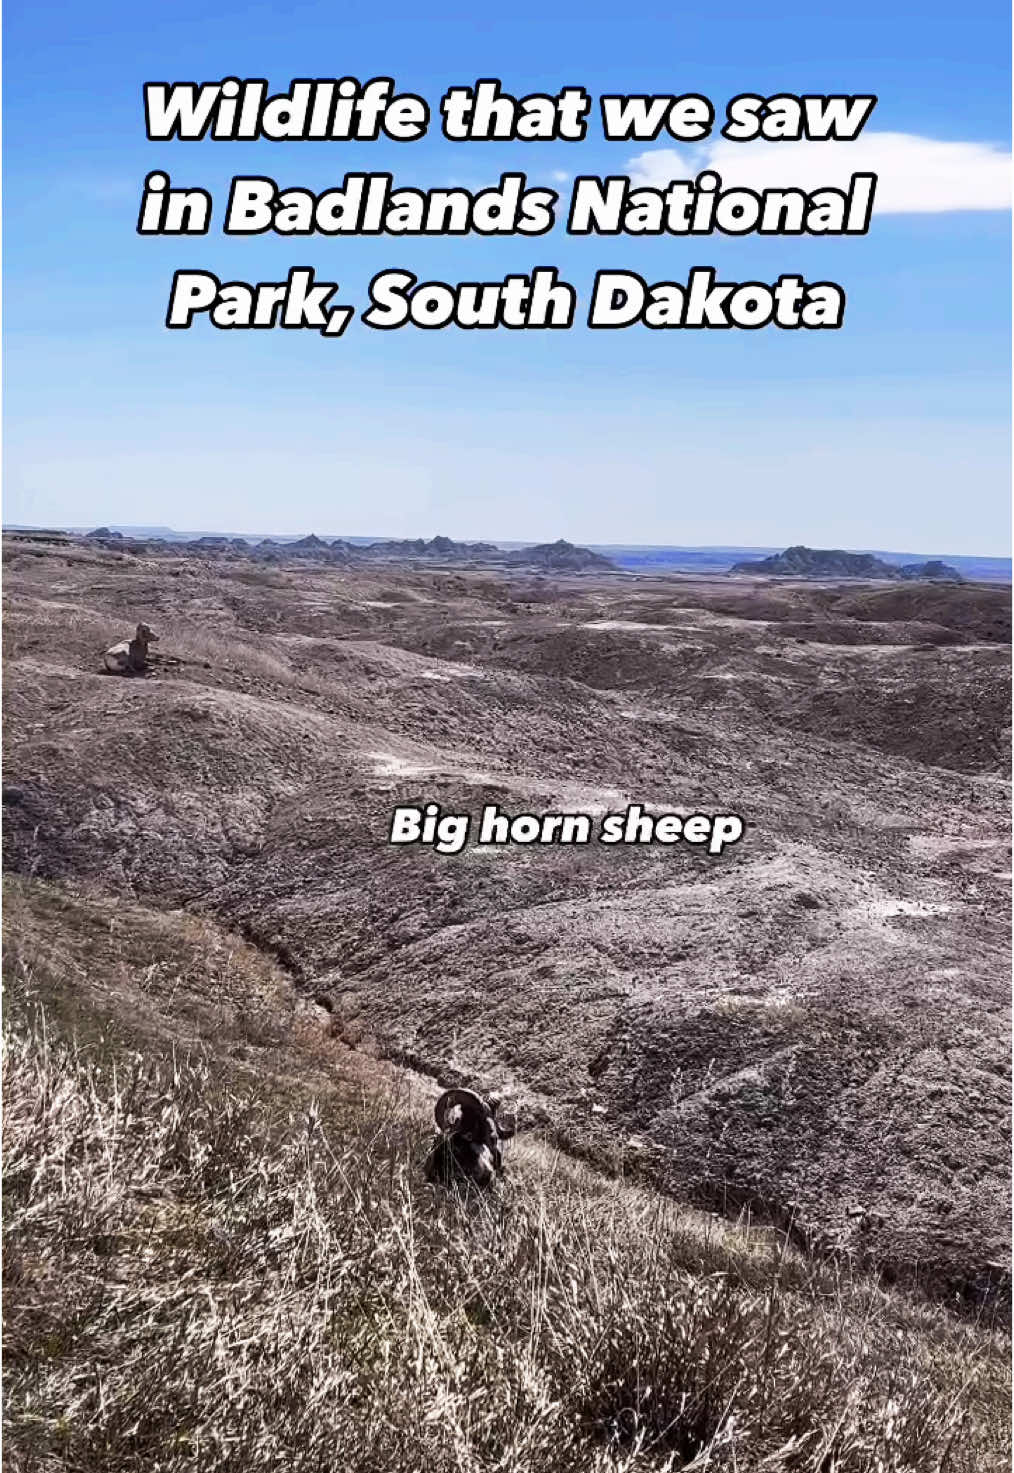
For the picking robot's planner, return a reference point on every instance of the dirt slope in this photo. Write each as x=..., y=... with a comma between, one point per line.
x=815, y=1022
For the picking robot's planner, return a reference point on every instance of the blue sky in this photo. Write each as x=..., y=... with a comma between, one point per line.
x=893, y=432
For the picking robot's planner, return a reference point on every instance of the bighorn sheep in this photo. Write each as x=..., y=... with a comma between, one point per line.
x=472, y=1140
x=130, y=657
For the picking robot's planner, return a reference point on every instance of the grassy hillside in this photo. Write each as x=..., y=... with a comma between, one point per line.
x=816, y=1024
x=220, y=1253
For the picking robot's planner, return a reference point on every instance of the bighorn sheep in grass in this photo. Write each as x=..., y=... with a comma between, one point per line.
x=473, y=1137
x=130, y=657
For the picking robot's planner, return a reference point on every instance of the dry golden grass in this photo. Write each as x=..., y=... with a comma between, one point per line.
x=207, y=1268
x=36, y=629
x=225, y=649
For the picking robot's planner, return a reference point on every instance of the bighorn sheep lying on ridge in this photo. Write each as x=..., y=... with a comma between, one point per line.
x=130, y=657
x=472, y=1139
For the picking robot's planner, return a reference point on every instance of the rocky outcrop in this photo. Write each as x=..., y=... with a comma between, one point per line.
x=933, y=571
x=560, y=557
x=817, y=562
x=444, y=548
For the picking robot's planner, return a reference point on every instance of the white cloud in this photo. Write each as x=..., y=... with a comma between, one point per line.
x=915, y=175
x=559, y=176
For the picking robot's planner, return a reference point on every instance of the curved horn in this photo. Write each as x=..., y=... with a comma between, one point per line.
x=470, y=1104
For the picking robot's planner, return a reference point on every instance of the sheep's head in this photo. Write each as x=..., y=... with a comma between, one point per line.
x=464, y=1113
x=146, y=634
x=474, y=1132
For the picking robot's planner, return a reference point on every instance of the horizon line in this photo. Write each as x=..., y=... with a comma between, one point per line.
x=502, y=542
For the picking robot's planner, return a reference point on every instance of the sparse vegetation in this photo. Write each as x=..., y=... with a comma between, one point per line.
x=198, y=1275
x=221, y=1249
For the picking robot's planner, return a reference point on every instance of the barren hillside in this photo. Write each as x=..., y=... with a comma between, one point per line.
x=814, y=1024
